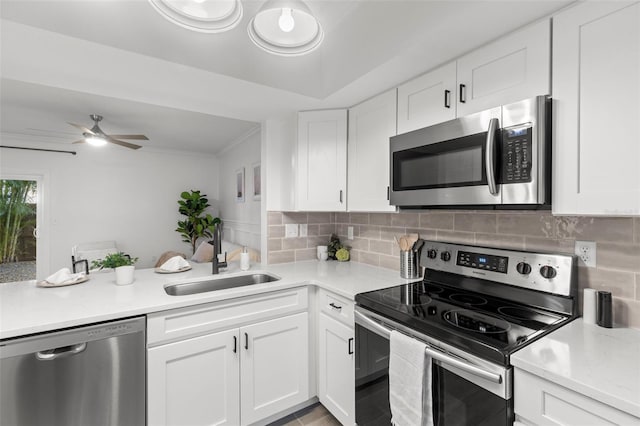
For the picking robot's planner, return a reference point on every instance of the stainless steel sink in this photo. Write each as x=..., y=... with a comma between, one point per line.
x=183, y=289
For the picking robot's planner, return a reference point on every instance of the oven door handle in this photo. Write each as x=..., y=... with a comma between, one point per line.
x=490, y=155
x=435, y=353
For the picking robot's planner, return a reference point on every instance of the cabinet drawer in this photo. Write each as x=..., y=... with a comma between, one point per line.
x=335, y=306
x=545, y=403
x=180, y=323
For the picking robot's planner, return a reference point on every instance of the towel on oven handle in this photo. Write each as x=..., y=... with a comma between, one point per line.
x=409, y=382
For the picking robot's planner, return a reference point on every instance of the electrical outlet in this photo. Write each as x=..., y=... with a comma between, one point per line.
x=303, y=229
x=350, y=232
x=586, y=250
x=291, y=230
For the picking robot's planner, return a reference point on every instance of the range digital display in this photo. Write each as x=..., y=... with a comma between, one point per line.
x=483, y=261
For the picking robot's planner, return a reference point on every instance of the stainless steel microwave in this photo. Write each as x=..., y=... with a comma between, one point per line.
x=498, y=158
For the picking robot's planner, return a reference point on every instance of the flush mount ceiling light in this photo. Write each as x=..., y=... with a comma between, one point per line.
x=207, y=16
x=286, y=28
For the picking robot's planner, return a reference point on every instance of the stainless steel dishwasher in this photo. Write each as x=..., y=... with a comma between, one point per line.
x=93, y=375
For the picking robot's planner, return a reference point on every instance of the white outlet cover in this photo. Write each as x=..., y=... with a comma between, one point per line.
x=586, y=252
x=303, y=229
x=291, y=230
x=350, y=232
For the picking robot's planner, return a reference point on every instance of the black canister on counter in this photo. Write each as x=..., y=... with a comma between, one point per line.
x=604, y=308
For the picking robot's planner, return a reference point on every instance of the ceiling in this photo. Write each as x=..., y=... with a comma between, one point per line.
x=370, y=46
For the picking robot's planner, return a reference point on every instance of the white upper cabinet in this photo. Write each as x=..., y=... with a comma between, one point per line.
x=510, y=69
x=322, y=160
x=596, y=91
x=428, y=99
x=371, y=124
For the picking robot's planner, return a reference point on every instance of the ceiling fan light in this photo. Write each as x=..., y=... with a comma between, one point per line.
x=95, y=140
x=200, y=15
x=275, y=30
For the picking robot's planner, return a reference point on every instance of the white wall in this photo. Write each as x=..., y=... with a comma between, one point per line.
x=241, y=220
x=111, y=193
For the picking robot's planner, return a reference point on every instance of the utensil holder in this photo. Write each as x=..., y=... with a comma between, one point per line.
x=409, y=265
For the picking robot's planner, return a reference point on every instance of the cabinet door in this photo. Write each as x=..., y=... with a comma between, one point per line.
x=428, y=99
x=322, y=160
x=371, y=124
x=275, y=366
x=195, y=381
x=511, y=69
x=336, y=373
x=596, y=91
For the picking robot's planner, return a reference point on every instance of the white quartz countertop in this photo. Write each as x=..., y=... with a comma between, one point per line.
x=27, y=309
x=602, y=363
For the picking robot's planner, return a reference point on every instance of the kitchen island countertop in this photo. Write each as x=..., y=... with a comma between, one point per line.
x=601, y=363
x=27, y=309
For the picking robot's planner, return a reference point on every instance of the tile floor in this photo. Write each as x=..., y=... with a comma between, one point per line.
x=315, y=415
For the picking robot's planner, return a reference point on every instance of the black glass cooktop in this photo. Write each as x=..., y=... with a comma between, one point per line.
x=483, y=325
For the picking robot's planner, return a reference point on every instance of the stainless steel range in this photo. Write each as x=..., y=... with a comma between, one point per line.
x=475, y=307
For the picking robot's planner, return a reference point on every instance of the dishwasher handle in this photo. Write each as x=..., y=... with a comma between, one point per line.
x=63, y=352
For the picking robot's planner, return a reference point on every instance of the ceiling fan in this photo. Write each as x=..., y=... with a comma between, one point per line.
x=95, y=136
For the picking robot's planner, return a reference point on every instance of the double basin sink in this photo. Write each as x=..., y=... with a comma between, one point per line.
x=214, y=284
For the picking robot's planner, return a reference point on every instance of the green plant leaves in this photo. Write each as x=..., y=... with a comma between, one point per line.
x=114, y=260
x=196, y=225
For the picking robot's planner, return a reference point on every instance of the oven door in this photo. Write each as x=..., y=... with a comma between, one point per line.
x=465, y=390
x=452, y=163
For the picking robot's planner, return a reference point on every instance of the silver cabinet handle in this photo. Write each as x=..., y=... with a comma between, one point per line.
x=51, y=354
x=334, y=306
x=489, y=159
x=341, y=196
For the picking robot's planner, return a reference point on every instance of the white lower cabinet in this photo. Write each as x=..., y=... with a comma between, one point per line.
x=236, y=376
x=195, y=381
x=336, y=377
x=544, y=403
x=274, y=366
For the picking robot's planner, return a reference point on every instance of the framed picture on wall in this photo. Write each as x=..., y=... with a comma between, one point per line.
x=240, y=185
x=257, y=189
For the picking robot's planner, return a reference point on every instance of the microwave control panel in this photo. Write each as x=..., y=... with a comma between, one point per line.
x=516, y=155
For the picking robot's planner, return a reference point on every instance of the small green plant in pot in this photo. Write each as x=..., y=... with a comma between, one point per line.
x=197, y=224
x=121, y=263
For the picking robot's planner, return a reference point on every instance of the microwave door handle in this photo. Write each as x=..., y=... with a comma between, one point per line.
x=489, y=160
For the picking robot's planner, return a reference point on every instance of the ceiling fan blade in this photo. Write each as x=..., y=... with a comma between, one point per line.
x=123, y=143
x=138, y=137
x=84, y=129
x=80, y=141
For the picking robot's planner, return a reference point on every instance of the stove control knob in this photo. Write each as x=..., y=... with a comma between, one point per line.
x=523, y=268
x=431, y=254
x=446, y=256
x=548, y=272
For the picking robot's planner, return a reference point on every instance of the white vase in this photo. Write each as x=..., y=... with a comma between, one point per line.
x=124, y=274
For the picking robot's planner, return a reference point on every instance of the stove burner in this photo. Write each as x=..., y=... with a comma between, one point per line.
x=468, y=299
x=476, y=321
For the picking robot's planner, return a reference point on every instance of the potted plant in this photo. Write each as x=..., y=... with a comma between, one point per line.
x=121, y=263
x=196, y=225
